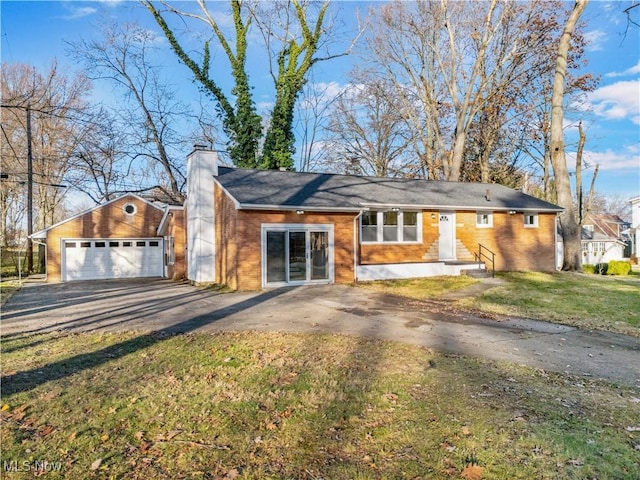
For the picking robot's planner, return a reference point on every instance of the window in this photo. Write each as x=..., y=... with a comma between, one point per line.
x=598, y=247
x=129, y=209
x=126, y=244
x=410, y=226
x=85, y=244
x=484, y=219
x=69, y=244
x=370, y=226
x=114, y=244
x=100, y=244
x=530, y=220
x=392, y=226
x=153, y=243
x=140, y=244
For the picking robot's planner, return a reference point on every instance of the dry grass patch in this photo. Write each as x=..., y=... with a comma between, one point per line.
x=276, y=406
x=420, y=288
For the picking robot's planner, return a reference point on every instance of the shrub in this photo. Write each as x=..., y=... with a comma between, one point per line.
x=588, y=268
x=619, y=267
x=601, y=268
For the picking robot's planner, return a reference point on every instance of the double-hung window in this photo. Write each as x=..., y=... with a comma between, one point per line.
x=390, y=226
x=484, y=219
x=530, y=220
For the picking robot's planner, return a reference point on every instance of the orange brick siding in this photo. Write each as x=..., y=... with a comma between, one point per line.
x=238, y=242
x=177, y=230
x=517, y=248
x=109, y=221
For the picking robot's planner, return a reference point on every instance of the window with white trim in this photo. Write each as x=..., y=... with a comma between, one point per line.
x=390, y=226
x=484, y=219
x=530, y=220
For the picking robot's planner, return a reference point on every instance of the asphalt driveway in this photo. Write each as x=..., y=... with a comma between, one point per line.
x=165, y=306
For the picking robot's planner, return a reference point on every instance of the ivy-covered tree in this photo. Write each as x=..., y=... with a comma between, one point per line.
x=292, y=40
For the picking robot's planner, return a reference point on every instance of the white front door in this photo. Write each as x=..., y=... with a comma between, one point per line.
x=297, y=254
x=447, y=236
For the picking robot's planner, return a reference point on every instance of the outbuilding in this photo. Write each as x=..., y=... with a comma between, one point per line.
x=127, y=237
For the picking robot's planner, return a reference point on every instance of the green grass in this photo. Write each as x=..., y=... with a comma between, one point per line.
x=599, y=302
x=276, y=406
x=7, y=289
x=586, y=301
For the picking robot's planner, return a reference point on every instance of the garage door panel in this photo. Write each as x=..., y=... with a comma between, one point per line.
x=107, y=258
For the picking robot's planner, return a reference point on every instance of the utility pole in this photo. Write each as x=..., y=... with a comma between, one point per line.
x=29, y=194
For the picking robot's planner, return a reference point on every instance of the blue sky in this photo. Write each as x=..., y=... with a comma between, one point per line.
x=34, y=32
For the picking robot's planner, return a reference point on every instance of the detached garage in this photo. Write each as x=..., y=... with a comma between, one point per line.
x=118, y=239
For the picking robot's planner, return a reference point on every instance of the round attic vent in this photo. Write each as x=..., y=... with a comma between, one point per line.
x=129, y=209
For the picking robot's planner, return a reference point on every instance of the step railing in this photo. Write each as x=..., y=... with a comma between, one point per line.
x=484, y=254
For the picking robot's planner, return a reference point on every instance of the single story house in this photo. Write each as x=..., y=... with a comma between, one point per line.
x=252, y=229
x=126, y=237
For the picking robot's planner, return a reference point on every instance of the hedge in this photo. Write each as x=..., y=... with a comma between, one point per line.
x=619, y=267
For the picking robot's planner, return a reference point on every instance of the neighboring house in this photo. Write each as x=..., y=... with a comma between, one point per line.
x=604, y=238
x=126, y=237
x=634, y=231
x=252, y=229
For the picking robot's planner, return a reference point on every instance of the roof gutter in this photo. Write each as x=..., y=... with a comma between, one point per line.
x=456, y=207
x=305, y=208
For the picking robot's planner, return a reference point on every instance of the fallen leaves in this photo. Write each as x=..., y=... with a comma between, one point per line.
x=472, y=472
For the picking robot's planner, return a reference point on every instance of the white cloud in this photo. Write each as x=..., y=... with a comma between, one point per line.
x=629, y=71
x=617, y=101
x=628, y=159
x=78, y=12
x=595, y=40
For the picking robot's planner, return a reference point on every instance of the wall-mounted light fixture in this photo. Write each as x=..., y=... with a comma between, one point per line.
x=512, y=212
x=299, y=212
x=395, y=209
x=433, y=216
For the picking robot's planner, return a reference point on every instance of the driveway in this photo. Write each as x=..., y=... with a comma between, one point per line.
x=165, y=306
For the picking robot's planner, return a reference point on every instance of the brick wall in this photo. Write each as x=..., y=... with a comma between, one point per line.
x=177, y=229
x=517, y=248
x=238, y=242
x=108, y=221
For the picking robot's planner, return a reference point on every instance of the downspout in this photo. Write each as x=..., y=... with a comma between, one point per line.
x=555, y=243
x=356, y=255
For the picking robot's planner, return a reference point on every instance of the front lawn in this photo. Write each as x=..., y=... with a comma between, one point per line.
x=276, y=406
x=601, y=302
x=597, y=302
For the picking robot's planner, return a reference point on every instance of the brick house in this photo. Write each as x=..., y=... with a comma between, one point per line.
x=251, y=229
x=127, y=237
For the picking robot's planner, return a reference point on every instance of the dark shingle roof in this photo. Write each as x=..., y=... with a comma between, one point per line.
x=318, y=191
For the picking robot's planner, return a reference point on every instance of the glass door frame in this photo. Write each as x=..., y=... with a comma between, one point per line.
x=307, y=228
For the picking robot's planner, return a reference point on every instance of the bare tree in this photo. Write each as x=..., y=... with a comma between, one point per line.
x=463, y=63
x=54, y=101
x=124, y=56
x=369, y=134
x=568, y=219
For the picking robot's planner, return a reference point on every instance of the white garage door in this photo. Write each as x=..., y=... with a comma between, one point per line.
x=88, y=259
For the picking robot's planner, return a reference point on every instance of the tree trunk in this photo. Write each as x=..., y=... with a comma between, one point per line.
x=568, y=220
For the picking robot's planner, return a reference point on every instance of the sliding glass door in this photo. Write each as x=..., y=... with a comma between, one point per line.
x=297, y=254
